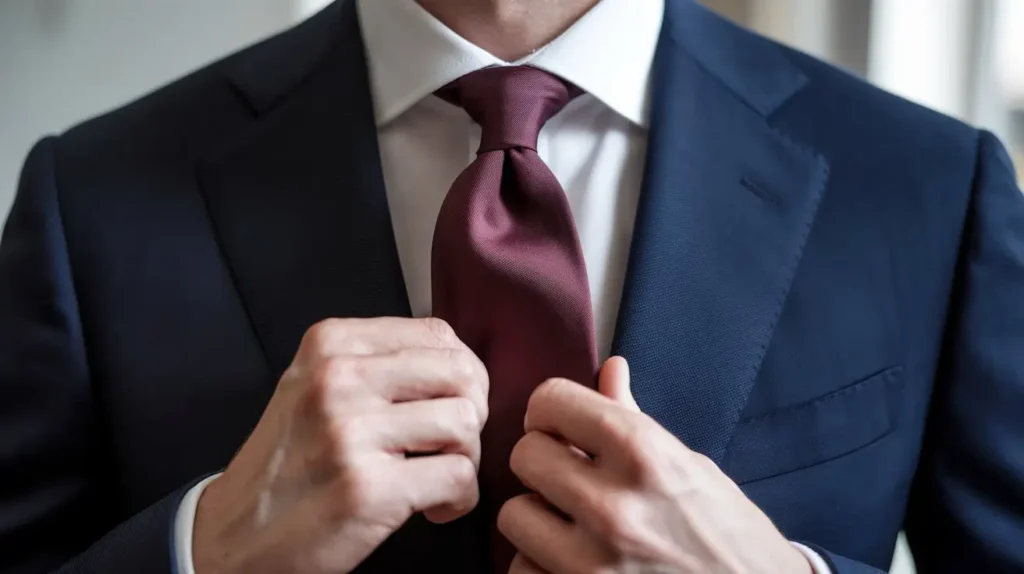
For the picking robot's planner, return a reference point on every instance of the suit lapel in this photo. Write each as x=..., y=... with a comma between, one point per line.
x=299, y=207
x=725, y=210
x=298, y=200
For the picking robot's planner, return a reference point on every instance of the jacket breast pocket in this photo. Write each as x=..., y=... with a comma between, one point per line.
x=818, y=431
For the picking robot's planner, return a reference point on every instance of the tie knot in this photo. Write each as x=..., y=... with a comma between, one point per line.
x=511, y=103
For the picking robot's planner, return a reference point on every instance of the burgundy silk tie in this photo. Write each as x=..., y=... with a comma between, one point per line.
x=507, y=268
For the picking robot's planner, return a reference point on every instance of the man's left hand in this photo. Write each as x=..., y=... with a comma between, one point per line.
x=617, y=493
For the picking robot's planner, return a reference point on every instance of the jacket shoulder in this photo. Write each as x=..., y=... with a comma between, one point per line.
x=184, y=117
x=844, y=105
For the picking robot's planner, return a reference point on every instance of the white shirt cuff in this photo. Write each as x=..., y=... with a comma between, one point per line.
x=184, y=520
x=817, y=562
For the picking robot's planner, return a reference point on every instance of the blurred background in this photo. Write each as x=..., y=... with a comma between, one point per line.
x=65, y=60
x=62, y=61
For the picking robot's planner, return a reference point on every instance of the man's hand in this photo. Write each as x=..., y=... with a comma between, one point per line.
x=615, y=492
x=326, y=475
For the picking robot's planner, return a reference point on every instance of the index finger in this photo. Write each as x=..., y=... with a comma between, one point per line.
x=576, y=413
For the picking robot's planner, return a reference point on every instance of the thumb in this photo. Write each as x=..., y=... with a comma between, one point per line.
x=613, y=382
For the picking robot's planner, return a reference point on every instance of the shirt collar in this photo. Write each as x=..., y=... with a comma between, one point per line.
x=608, y=53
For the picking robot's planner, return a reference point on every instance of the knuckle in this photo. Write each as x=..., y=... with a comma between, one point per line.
x=342, y=438
x=294, y=377
x=440, y=331
x=519, y=459
x=544, y=393
x=465, y=417
x=346, y=370
x=319, y=337
x=615, y=521
x=463, y=472
x=469, y=377
x=463, y=367
x=323, y=376
x=315, y=397
x=641, y=463
x=508, y=515
x=551, y=387
x=612, y=426
x=468, y=369
x=459, y=481
x=476, y=370
x=644, y=471
x=332, y=374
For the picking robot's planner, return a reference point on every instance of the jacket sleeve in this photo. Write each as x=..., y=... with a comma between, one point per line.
x=966, y=512
x=57, y=508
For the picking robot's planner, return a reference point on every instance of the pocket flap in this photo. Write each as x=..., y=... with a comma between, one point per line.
x=817, y=431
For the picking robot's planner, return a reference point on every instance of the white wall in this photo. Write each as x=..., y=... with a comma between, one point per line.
x=307, y=7
x=922, y=50
x=62, y=61
x=1009, y=56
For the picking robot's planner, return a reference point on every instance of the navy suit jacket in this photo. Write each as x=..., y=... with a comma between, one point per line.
x=825, y=295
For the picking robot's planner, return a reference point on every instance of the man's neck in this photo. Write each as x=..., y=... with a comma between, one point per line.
x=508, y=29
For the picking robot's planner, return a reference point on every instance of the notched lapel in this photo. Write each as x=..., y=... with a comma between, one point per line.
x=726, y=208
x=298, y=202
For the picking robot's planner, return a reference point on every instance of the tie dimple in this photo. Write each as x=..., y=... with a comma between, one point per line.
x=511, y=104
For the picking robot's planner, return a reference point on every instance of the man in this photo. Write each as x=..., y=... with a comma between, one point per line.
x=812, y=293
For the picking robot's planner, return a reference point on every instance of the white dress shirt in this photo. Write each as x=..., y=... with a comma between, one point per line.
x=595, y=146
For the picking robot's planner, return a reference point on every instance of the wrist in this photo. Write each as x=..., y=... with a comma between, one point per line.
x=208, y=548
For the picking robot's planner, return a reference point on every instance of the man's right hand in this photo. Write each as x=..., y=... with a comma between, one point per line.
x=326, y=475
